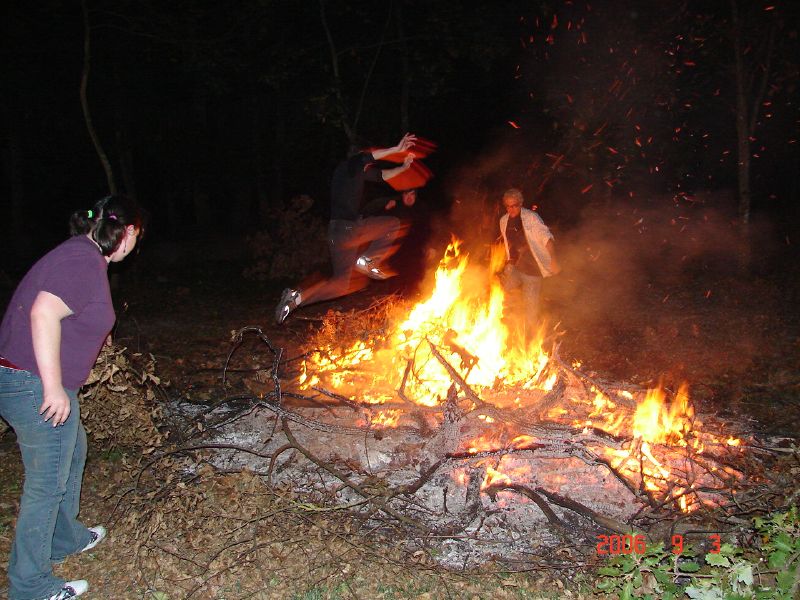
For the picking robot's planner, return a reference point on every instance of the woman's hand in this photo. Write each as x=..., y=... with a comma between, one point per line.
x=55, y=406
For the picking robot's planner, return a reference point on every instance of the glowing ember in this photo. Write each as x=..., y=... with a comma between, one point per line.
x=386, y=418
x=494, y=477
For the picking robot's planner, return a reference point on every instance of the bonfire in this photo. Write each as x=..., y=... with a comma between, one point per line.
x=441, y=418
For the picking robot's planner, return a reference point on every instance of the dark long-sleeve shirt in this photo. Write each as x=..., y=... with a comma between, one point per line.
x=347, y=185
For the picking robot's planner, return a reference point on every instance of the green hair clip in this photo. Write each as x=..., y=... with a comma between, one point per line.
x=91, y=214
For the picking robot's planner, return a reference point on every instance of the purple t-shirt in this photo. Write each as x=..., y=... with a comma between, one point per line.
x=76, y=272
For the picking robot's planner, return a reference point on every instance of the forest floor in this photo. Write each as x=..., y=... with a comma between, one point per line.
x=735, y=340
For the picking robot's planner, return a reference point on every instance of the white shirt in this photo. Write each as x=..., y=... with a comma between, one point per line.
x=537, y=235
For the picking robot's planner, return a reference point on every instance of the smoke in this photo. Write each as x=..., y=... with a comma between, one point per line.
x=643, y=276
x=602, y=144
x=622, y=255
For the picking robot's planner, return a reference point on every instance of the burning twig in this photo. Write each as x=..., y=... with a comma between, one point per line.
x=454, y=375
x=614, y=397
x=338, y=397
x=468, y=360
x=310, y=423
x=550, y=399
x=472, y=505
x=624, y=480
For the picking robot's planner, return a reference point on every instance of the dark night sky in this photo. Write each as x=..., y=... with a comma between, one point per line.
x=215, y=114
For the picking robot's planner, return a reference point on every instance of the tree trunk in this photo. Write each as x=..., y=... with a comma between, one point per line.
x=405, y=89
x=337, y=80
x=276, y=184
x=742, y=120
x=350, y=126
x=743, y=143
x=112, y=186
x=17, y=243
x=126, y=162
x=172, y=179
x=201, y=200
x=122, y=135
x=257, y=152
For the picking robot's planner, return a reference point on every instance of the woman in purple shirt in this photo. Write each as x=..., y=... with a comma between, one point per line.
x=58, y=319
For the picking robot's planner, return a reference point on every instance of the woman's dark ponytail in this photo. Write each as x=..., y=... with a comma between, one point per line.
x=81, y=222
x=107, y=220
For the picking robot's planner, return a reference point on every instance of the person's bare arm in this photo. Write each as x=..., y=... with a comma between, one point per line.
x=404, y=145
x=46, y=314
x=387, y=174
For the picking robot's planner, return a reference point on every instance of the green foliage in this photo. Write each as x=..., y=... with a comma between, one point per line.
x=767, y=571
x=112, y=454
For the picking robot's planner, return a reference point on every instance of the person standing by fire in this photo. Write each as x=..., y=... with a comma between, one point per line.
x=350, y=230
x=56, y=323
x=530, y=257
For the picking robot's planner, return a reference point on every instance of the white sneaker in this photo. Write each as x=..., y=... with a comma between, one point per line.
x=367, y=266
x=71, y=589
x=290, y=299
x=99, y=533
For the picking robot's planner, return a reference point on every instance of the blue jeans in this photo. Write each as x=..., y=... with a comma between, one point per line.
x=53, y=457
x=375, y=237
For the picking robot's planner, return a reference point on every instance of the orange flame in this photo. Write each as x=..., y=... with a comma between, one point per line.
x=494, y=476
x=657, y=423
x=463, y=320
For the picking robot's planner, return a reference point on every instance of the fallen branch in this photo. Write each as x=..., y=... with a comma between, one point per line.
x=575, y=506
x=493, y=489
x=344, y=479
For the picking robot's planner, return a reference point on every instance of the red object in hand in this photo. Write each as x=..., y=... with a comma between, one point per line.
x=420, y=149
x=417, y=175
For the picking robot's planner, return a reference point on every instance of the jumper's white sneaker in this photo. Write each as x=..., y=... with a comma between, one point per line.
x=99, y=533
x=367, y=266
x=71, y=589
x=290, y=299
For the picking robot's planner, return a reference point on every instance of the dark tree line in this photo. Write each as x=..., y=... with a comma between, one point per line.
x=689, y=95
x=215, y=114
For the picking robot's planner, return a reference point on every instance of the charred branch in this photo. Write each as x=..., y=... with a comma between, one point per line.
x=345, y=480
x=575, y=506
x=552, y=518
